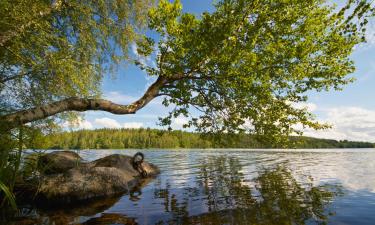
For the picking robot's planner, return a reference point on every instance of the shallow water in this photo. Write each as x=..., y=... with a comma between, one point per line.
x=236, y=187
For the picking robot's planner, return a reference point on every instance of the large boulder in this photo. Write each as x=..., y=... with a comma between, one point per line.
x=58, y=162
x=68, y=179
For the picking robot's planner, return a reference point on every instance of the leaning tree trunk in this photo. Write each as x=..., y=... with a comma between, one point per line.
x=80, y=104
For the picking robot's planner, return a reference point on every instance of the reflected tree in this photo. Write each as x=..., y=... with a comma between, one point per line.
x=221, y=180
x=283, y=200
x=274, y=196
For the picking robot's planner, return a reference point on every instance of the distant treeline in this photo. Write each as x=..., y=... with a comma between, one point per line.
x=153, y=138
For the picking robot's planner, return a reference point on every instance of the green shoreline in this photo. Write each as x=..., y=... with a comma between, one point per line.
x=162, y=139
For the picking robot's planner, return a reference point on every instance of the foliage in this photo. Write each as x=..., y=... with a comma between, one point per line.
x=51, y=50
x=8, y=195
x=8, y=170
x=245, y=66
x=152, y=138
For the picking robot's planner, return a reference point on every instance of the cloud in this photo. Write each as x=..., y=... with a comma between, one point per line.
x=133, y=47
x=180, y=121
x=370, y=31
x=148, y=61
x=78, y=124
x=111, y=123
x=85, y=125
x=369, y=35
x=248, y=125
x=351, y=123
x=133, y=125
x=177, y=123
x=306, y=105
x=120, y=98
x=145, y=60
x=107, y=122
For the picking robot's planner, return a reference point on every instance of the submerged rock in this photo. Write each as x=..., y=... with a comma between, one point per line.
x=69, y=179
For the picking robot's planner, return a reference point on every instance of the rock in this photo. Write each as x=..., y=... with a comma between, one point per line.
x=58, y=162
x=69, y=179
x=124, y=163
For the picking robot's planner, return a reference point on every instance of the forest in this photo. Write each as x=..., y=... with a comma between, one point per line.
x=155, y=138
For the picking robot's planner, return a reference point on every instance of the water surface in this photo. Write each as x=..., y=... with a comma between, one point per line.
x=236, y=187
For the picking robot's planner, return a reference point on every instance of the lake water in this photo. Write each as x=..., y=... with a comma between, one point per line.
x=236, y=187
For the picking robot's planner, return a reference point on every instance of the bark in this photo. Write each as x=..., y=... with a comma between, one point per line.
x=81, y=104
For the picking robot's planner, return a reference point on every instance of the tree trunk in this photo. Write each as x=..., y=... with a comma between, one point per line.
x=81, y=104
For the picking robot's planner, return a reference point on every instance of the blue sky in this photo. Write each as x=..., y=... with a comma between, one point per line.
x=351, y=112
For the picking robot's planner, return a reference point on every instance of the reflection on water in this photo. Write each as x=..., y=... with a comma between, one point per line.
x=275, y=197
x=235, y=187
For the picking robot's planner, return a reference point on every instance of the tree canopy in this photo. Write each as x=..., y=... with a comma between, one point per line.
x=247, y=64
x=52, y=50
x=243, y=67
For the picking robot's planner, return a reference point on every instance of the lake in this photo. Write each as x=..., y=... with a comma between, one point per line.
x=235, y=187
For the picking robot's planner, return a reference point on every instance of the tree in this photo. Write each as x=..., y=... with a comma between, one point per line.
x=243, y=67
x=51, y=50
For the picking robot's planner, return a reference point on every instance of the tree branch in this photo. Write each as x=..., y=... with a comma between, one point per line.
x=82, y=104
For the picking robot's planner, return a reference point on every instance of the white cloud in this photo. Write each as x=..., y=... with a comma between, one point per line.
x=107, y=122
x=133, y=47
x=306, y=105
x=119, y=98
x=177, y=123
x=248, y=125
x=85, y=125
x=370, y=37
x=78, y=124
x=180, y=121
x=370, y=32
x=351, y=123
x=145, y=60
x=133, y=125
x=148, y=61
x=112, y=123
